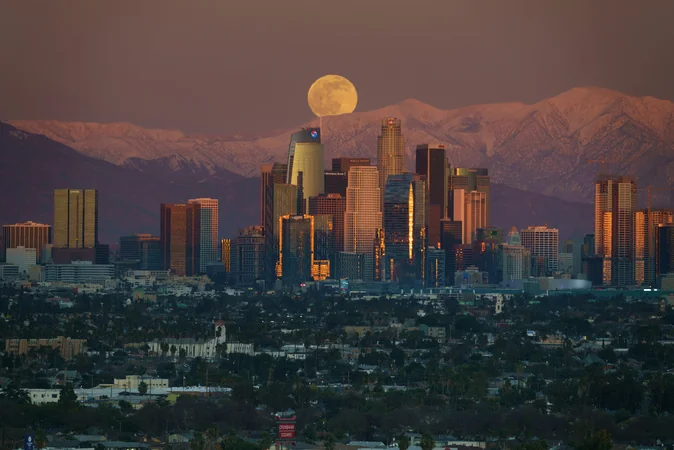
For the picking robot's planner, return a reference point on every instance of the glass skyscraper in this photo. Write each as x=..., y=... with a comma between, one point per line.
x=390, y=152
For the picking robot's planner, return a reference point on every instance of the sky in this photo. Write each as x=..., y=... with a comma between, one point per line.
x=228, y=66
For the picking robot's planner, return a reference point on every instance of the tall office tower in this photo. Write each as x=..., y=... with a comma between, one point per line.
x=323, y=246
x=614, y=228
x=379, y=256
x=431, y=162
x=398, y=218
x=301, y=199
x=513, y=237
x=271, y=174
x=306, y=155
x=282, y=200
x=144, y=249
x=664, y=250
x=420, y=236
x=296, y=249
x=543, y=243
x=514, y=262
x=335, y=182
x=334, y=205
x=27, y=235
x=247, y=256
x=363, y=213
x=305, y=135
x=344, y=164
x=226, y=254
x=469, y=208
x=645, y=254
x=451, y=236
x=390, y=152
x=209, y=231
x=474, y=179
x=486, y=250
x=75, y=218
x=435, y=270
x=180, y=237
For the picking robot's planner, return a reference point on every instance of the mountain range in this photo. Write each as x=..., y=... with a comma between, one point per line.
x=536, y=154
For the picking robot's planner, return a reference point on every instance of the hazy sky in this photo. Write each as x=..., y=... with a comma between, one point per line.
x=245, y=65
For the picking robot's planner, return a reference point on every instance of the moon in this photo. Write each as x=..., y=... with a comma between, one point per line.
x=332, y=95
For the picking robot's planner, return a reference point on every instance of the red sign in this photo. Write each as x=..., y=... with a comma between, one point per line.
x=286, y=427
x=286, y=434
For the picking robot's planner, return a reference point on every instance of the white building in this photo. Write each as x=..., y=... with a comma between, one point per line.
x=209, y=231
x=193, y=348
x=543, y=243
x=79, y=272
x=22, y=257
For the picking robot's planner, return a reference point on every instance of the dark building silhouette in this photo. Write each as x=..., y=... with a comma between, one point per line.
x=343, y=164
x=145, y=249
x=664, y=262
x=431, y=162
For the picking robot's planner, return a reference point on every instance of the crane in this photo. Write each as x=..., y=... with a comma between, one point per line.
x=603, y=161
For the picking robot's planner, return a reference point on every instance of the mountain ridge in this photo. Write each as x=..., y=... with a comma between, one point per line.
x=540, y=147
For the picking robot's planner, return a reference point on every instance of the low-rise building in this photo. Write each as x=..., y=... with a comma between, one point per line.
x=68, y=348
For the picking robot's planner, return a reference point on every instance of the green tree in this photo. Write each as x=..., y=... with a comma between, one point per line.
x=329, y=442
x=198, y=443
x=14, y=393
x=596, y=441
x=265, y=442
x=142, y=388
x=403, y=442
x=164, y=348
x=174, y=349
x=68, y=398
x=212, y=438
x=427, y=442
x=40, y=439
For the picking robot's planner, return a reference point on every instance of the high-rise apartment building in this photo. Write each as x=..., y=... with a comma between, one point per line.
x=390, y=152
x=208, y=243
x=543, y=244
x=305, y=155
x=644, y=245
x=28, y=235
x=363, y=214
x=615, y=228
x=75, y=218
x=474, y=179
x=180, y=237
x=296, y=252
x=431, y=162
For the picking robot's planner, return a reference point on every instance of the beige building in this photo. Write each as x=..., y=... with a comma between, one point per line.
x=68, y=348
x=75, y=218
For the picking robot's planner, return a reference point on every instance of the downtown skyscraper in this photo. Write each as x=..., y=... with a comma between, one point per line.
x=208, y=242
x=363, y=214
x=180, y=238
x=305, y=156
x=75, y=218
x=431, y=163
x=390, y=152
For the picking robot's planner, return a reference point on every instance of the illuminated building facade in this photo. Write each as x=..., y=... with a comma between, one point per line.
x=75, y=218
x=363, y=216
x=208, y=244
x=305, y=155
x=543, y=244
x=226, y=254
x=28, y=235
x=475, y=179
x=390, y=152
x=180, y=237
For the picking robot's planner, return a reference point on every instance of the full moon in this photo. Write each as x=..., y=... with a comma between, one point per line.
x=332, y=95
